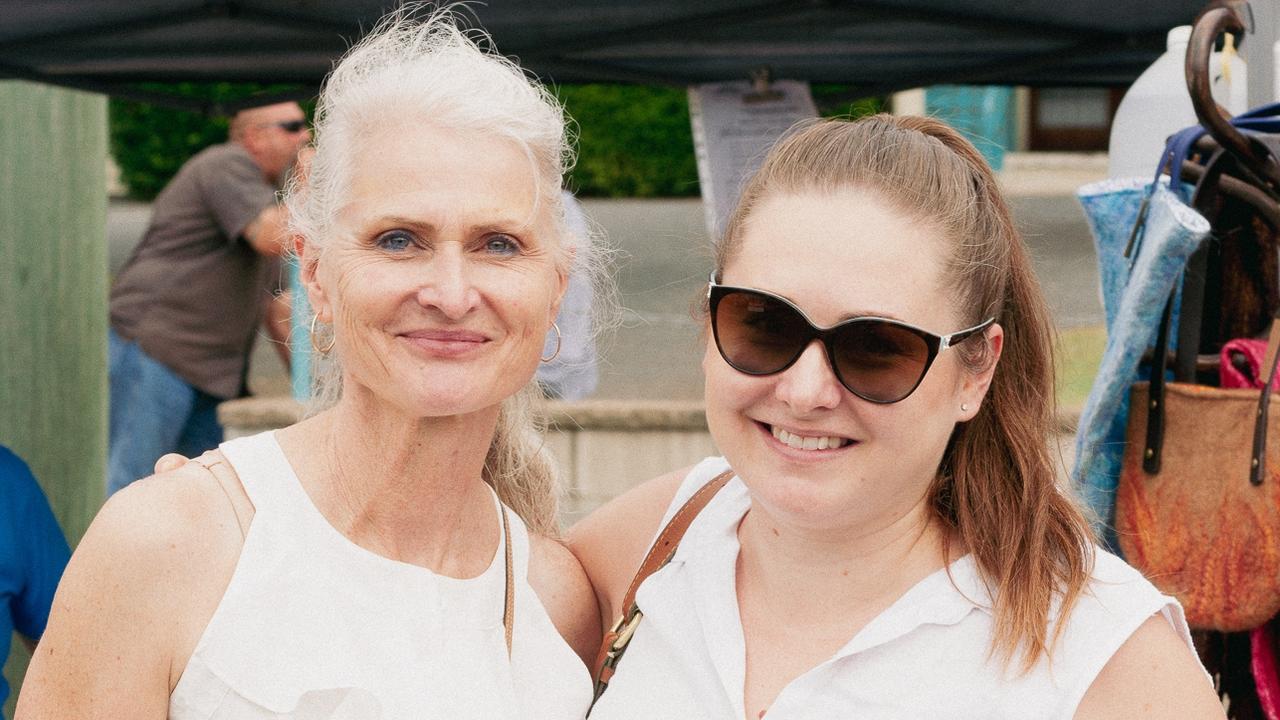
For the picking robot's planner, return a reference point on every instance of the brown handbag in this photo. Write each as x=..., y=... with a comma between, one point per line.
x=1198, y=502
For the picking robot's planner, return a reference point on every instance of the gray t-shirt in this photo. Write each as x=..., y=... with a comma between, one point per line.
x=193, y=293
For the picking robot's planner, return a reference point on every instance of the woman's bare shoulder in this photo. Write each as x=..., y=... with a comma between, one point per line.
x=137, y=593
x=165, y=523
x=612, y=541
x=190, y=517
x=1153, y=675
x=180, y=528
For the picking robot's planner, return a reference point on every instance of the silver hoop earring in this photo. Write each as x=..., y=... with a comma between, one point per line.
x=322, y=350
x=559, y=342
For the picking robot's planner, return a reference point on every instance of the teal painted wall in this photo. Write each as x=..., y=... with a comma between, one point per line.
x=53, y=298
x=984, y=113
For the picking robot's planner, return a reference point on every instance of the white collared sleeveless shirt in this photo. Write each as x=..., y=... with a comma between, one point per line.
x=926, y=656
x=315, y=627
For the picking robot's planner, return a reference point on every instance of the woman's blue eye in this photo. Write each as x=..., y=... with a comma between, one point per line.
x=501, y=245
x=395, y=240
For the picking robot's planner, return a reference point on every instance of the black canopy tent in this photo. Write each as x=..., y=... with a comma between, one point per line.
x=874, y=46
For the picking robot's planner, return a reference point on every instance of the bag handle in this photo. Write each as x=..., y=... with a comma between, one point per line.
x=1178, y=148
x=1151, y=454
x=1258, y=464
x=616, y=640
x=1155, y=408
x=1189, y=319
x=1205, y=200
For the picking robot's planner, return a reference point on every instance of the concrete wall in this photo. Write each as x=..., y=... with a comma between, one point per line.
x=606, y=448
x=53, y=297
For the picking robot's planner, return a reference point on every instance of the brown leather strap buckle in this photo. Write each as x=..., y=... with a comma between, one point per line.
x=615, y=644
x=620, y=633
x=624, y=628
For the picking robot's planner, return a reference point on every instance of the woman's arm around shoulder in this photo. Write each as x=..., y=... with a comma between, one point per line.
x=612, y=541
x=1153, y=675
x=136, y=595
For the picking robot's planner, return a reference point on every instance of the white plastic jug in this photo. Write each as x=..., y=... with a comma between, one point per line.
x=1159, y=104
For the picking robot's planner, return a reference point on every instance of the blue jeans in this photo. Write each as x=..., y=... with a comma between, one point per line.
x=152, y=412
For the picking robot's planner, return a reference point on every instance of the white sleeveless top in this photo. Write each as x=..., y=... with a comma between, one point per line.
x=925, y=656
x=312, y=626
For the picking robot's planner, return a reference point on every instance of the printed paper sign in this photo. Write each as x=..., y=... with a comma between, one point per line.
x=734, y=125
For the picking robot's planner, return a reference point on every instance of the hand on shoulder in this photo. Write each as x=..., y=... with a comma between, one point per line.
x=136, y=595
x=612, y=541
x=199, y=499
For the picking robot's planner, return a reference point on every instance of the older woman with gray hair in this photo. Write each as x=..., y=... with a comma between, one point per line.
x=391, y=556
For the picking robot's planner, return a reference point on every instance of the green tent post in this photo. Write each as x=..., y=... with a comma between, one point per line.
x=53, y=299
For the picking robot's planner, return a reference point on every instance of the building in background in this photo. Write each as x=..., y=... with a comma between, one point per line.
x=1001, y=119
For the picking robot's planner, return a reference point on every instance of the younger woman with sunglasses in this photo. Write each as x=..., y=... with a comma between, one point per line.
x=893, y=543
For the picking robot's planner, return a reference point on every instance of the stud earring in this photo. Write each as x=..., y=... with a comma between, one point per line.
x=964, y=407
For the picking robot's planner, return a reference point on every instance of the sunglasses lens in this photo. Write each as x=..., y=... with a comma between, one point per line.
x=758, y=334
x=880, y=361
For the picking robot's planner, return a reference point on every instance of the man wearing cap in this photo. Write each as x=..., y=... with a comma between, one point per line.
x=187, y=305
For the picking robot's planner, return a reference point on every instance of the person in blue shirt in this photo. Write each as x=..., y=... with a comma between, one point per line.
x=33, y=553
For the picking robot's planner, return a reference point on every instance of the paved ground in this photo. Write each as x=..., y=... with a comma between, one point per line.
x=665, y=255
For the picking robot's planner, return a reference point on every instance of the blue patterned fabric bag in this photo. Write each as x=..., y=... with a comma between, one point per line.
x=1134, y=292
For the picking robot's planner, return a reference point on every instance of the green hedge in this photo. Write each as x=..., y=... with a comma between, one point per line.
x=831, y=102
x=633, y=141
x=150, y=142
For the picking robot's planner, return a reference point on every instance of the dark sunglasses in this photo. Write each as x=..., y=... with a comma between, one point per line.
x=292, y=126
x=879, y=360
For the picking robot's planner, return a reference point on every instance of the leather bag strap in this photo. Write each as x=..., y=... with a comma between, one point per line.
x=1151, y=454
x=1190, y=317
x=509, y=596
x=1258, y=464
x=1206, y=200
x=619, y=635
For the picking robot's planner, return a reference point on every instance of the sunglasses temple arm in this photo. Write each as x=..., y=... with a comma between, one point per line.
x=956, y=338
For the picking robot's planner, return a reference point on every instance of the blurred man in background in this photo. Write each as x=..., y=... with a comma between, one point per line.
x=187, y=305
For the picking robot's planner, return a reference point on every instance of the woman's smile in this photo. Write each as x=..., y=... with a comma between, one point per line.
x=446, y=343
x=804, y=445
